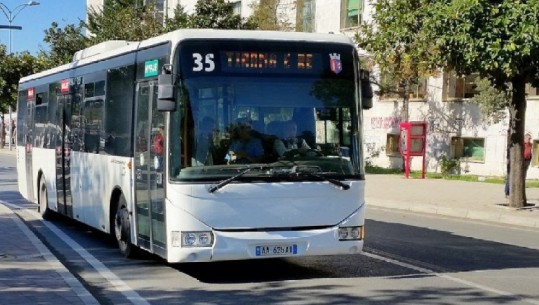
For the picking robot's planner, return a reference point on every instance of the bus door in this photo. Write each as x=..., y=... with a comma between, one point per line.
x=149, y=169
x=28, y=144
x=63, y=155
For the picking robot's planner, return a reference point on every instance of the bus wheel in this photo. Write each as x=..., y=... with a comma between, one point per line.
x=44, y=210
x=122, y=229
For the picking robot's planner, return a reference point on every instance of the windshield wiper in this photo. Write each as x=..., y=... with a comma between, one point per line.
x=294, y=171
x=245, y=171
x=227, y=181
x=290, y=172
x=335, y=182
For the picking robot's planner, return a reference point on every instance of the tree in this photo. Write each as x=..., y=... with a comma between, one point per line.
x=217, y=14
x=123, y=20
x=13, y=67
x=179, y=20
x=500, y=41
x=63, y=43
x=272, y=15
x=398, y=48
x=492, y=102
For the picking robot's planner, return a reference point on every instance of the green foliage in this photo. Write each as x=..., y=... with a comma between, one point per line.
x=14, y=67
x=397, y=45
x=217, y=14
x=449, y=166
x=500, y=41
x=272, y=15
x=63, y=43
x=493, y=102
x=370, y=169
x=123, y=20
x=180, y=20
x=135, y=20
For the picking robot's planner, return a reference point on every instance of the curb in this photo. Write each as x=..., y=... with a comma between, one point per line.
x=496, y=215
x=49, y=260
x=6, y=150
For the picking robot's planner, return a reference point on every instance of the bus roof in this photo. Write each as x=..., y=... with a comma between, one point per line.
x=114, y=48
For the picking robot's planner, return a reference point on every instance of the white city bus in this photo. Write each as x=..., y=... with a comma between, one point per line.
x=118, y=139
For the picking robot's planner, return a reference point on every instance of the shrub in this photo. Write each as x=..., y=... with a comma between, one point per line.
x=449, y=166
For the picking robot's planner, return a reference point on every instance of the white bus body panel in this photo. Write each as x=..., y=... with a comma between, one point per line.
x=262, y=214
x=93, y=179
x=22, y=178
x=44, y=161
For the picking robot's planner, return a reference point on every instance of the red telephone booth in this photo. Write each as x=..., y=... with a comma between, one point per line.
x=412, y=142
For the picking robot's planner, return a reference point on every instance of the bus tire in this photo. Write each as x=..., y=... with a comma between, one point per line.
x=122, y=229
x=43, y=201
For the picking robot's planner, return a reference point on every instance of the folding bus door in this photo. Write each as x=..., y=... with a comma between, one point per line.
x=29, y=143
x=150, y=147
x=63, y=155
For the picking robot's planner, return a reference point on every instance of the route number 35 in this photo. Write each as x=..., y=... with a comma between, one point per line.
x=203, y=62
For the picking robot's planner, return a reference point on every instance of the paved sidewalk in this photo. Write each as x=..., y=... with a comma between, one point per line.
x=470, y=200
x=29, y=272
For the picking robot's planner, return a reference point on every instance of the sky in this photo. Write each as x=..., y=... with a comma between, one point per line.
x=34, y=20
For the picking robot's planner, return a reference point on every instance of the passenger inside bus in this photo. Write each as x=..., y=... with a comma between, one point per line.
x=244, y=148
x=289, y=140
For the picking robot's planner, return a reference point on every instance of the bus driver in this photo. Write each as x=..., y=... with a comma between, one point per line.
x=244, y=147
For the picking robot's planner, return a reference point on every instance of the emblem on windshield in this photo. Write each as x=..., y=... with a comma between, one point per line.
x=335, y=63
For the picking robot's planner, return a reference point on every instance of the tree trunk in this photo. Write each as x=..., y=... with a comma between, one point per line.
x=517, y=185
x=405, y=116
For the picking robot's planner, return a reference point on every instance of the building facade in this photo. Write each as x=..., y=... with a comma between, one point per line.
x=456, y=128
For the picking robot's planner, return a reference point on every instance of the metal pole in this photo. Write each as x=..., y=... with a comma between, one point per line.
x=9, y=49
x=10, y=15
x=10, y=133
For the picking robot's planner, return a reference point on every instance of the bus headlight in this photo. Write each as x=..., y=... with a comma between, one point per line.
x=351, y=233
x=197, y=239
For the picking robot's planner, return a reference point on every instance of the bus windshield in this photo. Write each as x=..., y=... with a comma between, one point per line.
x=281, y=111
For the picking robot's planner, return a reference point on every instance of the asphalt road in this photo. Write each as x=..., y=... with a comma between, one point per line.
x=408, y=259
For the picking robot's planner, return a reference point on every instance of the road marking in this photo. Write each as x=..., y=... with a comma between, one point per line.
x=83, y=294
x=105, y=272
x=449, y=277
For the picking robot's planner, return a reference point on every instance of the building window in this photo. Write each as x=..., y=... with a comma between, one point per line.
x=159, y=6
x=532, y=92
x=305, y=16
x=535, y=153
x=351, y=11
x=472, y=149
x=236, y=7
x=458, y=88
x=392, y=145
x=391, y=91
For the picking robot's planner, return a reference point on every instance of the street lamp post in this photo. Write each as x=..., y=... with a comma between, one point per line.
x=10, y=15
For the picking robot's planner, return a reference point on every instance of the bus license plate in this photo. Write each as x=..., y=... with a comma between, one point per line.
x=275, y=250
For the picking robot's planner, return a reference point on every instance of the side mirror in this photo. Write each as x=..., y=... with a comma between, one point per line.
x=366, y=89
x=166, y=92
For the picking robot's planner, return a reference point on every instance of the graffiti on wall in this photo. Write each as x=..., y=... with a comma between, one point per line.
x=385, y=122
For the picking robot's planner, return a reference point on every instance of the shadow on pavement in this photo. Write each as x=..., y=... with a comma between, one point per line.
x=446, y=250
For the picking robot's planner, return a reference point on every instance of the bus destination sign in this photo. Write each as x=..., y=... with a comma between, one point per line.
x=257, y=62
x=270, y=62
